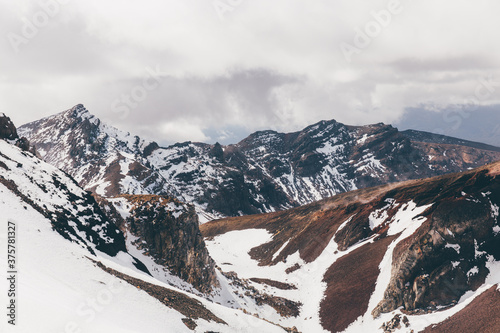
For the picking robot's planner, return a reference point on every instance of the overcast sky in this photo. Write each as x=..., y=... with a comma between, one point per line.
x=216, y=70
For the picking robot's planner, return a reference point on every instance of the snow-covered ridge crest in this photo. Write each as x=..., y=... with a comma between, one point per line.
x=268, y=171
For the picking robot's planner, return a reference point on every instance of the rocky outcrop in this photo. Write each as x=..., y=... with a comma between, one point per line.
x=168, y=231
x=446, y=258
x=8, y=131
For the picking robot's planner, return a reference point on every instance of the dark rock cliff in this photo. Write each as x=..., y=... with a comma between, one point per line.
x=168, y=231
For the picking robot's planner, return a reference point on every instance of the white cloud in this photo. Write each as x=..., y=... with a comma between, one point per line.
x=183, y=130
x=266, y=65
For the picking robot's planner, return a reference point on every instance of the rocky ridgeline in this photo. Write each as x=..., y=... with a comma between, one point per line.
x=265, y=172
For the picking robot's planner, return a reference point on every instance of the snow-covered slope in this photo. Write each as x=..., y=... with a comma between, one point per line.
x=61, y=290
x=74, y=271
x=268, y=171
x=410, y=254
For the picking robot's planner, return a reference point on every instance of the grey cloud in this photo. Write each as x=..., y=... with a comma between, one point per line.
x=459, y=64
x=226, y=102
x=268, y=65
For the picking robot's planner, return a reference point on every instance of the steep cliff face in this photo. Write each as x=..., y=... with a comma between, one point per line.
x=167, y=231
x=449, y=254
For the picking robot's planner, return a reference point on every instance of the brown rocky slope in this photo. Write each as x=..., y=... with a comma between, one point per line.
x=431, y=269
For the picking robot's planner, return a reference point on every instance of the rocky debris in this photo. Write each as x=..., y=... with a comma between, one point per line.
x=283, y=306
x=395, y=324
x=275, y=284
x=168, y=231
x=190, y=323
x=187, y=306
x=292, y=269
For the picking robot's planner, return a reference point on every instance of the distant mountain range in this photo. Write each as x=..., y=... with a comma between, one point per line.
x=267, y=171
x=479, y=123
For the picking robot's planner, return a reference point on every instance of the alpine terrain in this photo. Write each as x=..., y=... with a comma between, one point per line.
x=421, y=255
x=112, y=241
x=266, y=172
x=132, y=264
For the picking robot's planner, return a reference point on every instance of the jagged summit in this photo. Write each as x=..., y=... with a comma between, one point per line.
x=94, y=153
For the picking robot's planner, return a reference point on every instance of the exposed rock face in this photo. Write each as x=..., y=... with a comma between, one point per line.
x=447, y=256
x=7, y=129
x=265, y=172
x=9, y=132
x=168, y=231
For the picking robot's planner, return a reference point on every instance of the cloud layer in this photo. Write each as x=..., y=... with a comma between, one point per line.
x=217, y=70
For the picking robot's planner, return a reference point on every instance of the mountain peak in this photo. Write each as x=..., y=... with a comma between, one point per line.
x=80, y=112
x=79, y=109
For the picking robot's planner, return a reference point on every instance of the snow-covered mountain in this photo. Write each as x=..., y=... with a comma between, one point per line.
x=78, y=269
x=422, y=255
x=268, y=171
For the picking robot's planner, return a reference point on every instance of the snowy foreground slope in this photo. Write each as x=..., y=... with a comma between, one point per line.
x=74, y=271
x=396, y=258
x=265, y=172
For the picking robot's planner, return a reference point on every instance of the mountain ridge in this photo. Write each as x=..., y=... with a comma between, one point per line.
x=265, y=172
